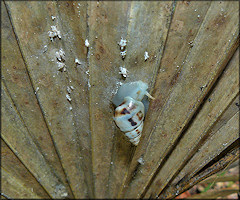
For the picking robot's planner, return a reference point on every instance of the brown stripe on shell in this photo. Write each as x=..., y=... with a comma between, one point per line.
x=133, y=123
x=125, y=111
x=138, y=132
x=140, y=115
x=121, y=112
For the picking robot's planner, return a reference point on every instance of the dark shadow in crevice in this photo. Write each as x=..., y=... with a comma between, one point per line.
x=234, y=145
x=203, y=140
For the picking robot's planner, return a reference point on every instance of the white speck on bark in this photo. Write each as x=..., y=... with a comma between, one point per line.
x=141, y=161
x=122, y=44
x=54, y=33
x=86, y=43
x=146, y=56
x=123, y=53
x=68, y=97
x=123, y=71
x=60, y=55
x=45, y=48
x=36, y=90
x=61, y=66
x=65, y=194
x=89, y=85
x=69, y=90
x=77, y=61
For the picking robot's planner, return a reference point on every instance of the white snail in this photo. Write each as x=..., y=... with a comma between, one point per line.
x=131, y=108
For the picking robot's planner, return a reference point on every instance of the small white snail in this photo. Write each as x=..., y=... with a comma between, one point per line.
x=131, y=108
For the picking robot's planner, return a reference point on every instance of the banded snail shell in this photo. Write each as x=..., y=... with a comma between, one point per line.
x=129, y=115
x=130, y=111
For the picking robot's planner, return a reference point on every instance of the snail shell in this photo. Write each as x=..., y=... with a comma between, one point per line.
x=130, y=111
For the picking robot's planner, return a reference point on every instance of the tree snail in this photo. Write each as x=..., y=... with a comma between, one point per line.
x=131, y=106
